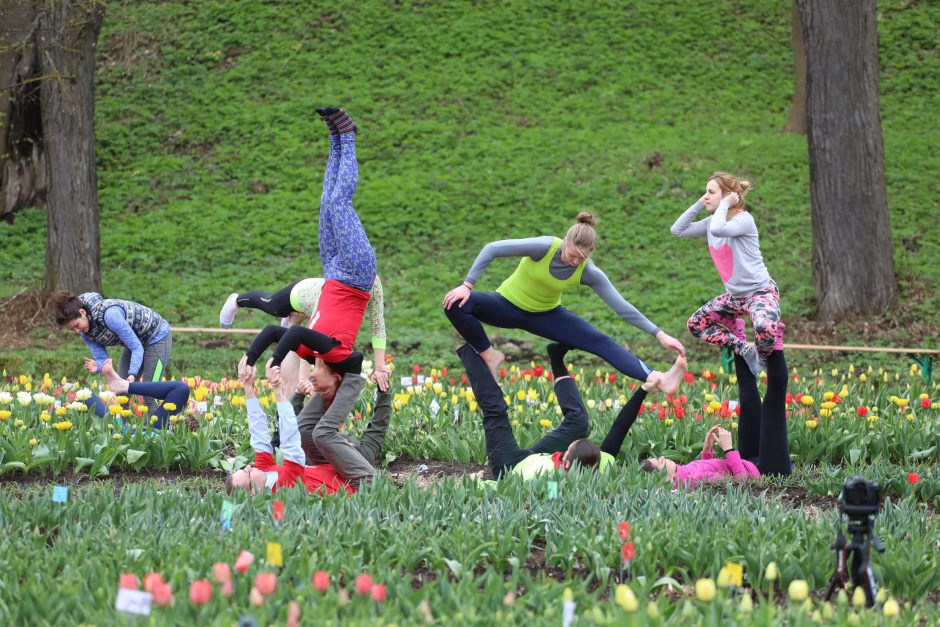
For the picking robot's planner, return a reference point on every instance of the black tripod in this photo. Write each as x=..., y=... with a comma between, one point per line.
x=858, y=551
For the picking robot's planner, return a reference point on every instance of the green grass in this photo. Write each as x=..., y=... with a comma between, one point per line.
x=479, y=122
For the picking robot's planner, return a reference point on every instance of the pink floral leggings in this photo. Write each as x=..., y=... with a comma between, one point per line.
x=719, y=321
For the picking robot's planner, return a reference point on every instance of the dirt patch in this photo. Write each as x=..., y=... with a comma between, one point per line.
x=431, y=471
x=21, y=314
x=118, y=477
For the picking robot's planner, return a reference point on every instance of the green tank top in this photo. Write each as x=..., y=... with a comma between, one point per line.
x=533, y=288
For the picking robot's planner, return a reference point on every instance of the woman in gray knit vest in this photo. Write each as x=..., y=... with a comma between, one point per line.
x=104, y=322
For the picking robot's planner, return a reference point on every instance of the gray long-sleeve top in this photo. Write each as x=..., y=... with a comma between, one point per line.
x=733, y=244
x=594, y=277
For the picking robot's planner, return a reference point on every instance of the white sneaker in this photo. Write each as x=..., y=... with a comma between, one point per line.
x=227, y=315
x=285, y=322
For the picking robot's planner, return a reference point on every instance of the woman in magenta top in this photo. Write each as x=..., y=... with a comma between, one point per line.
x=762, y=434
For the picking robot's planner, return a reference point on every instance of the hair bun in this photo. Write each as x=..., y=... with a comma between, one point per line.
x=745, y=187
x=586, y=217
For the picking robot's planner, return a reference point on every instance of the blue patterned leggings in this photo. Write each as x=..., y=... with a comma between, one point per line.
x=345, y=251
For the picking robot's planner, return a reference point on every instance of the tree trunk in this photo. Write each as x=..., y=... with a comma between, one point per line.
x=797, y=122
x=22, y=157
x=853, y=267
x=68, y=40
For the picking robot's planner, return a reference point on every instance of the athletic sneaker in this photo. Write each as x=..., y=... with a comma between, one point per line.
x=751, y=358
x=227, y=315
x=285, y=322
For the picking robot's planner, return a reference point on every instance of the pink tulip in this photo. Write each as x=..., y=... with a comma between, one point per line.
x=363, y=584
x=266, y=583
x=200, y=592
x=129, y=581
x=255, y=597
x=151, y=581
x=163, y=594
x=378, y=592
x=321, y=581
x=243, y=561
x=221, y=572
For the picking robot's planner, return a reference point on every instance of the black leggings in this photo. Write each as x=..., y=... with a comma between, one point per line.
x=277, y=304
x=288, y=340
x=762, y=429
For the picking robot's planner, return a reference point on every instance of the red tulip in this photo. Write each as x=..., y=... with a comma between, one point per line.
x=925, y=403
x=463, y=379
x=708, y=375
x=443, y=372
x=661, y=413
x=321, y=580
x=243, y=561
x=221, y=572
x=266, y=583
x=538, y=371
x=416, y=368
x=200, y=592
x=129, y=581
x=680, y=413
x=913, y=477
x=163, y=594
x=627, y=552
x=378, y=592
x=151, y=581
x=612, y=378
x=363, y=584
x=689, y=377
x=625, y=530
x=862, y=411
x=502, y=373
x=789, y=399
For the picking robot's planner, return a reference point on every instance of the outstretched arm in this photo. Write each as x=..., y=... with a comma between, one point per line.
x=534, y=247
x=376, y=309
x=685, y=227
x=595, y=278
x=257, y=419
x=287, y=420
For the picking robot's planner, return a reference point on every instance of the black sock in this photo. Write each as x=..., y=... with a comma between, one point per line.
x=325, y=113
x=556, y=357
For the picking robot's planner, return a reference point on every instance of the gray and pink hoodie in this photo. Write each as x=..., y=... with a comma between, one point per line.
x=733, y=244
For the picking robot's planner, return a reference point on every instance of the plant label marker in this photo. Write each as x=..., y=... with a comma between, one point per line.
x=405, y=381
x=133, y=602
x=421, y=379
x=217, y=400
x=732, y=405
x=434, y=407
x=226, y=516
x=60, y=494
x=201, y=407
x=456, y=415
x=567, y=608
x=275, y=558
x=278, y=512
x=552, y=490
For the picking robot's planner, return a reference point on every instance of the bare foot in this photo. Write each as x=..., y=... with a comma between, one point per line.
x=652, y=381
x=670, y=381
x=115, y=383
x=493, y=358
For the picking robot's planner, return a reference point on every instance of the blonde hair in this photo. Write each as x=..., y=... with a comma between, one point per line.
x=581, y=233
x=728, y=183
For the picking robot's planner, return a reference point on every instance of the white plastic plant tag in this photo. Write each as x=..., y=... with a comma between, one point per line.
x=133, y=602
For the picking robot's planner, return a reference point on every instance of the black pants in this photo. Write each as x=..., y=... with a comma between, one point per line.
x=502, y=450
x=277, y=304
x=288, y=340
x=762, y=428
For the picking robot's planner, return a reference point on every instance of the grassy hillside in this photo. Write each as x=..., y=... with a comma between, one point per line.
x=478, y=122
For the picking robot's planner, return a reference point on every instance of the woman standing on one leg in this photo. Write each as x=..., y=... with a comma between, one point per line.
x=349, y=267
x=530, y=299
x=735, y=249
x=104, y=322
x=298, y=302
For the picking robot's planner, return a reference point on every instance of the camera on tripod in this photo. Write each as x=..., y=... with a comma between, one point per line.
x=859, y=501
x=860, y=498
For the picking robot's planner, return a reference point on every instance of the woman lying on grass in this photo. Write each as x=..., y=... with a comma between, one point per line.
x=565, y=445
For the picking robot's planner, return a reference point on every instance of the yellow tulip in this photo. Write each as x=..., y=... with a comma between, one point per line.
x=891, y=608
x=5, y=414
x=60, y=411
x=33, y=442
x=64, y=425
x=625, y=598
x=705, y=590
x=771, y=573
x=811, y=424
x=828, y=396
x=169, y=406
x=545, y=423
x=807, y=400
x=858, y=597
x=798, y=590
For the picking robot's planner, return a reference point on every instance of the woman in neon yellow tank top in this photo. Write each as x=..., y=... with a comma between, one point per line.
x=530, y=299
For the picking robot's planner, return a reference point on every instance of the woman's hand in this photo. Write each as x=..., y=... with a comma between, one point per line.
x=306, y=388
x=91, y=365
x=458, y=295
x=667, y=341
x=724, y=439
x=380, y=376
x=732, y=199
x=710, y=437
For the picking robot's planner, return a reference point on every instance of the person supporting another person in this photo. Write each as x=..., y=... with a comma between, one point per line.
x=319, y=476
x=104, y=322
x=562, y=447
x=762, y=435
x=349, y=266
x=530, y=299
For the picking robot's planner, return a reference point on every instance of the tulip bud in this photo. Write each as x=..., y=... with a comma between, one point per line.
x=771, y=573
x=705, y=590
x=858, y=597
x=747, y=604
x=891, y=608
x=798, y=590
